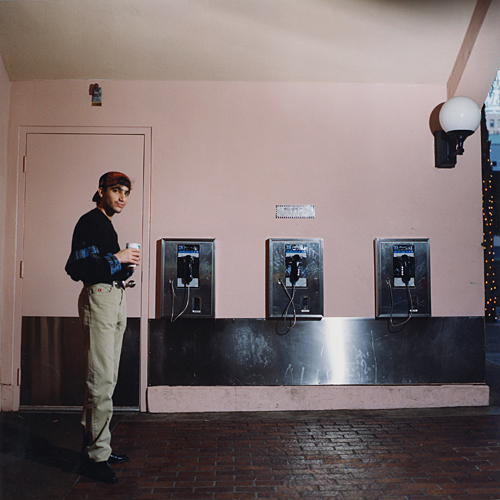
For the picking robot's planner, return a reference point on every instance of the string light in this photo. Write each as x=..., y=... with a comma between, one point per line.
x=488, y=238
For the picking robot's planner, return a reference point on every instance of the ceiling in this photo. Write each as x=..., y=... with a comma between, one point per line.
x=384, y=41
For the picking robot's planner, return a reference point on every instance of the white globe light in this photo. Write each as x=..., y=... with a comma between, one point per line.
x=460, y=113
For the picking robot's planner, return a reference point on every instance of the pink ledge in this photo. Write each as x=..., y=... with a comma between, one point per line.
x=165, y=399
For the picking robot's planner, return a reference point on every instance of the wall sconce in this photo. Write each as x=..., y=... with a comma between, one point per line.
x=96, y=92
x=459, y=117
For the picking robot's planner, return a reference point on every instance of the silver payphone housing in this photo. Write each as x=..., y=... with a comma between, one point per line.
x=392, y=290
x=308, y=290
x=199, y=288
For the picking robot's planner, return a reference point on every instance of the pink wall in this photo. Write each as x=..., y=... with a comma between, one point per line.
x=225, y=153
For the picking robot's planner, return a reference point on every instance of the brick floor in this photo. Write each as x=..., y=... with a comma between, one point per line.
x=319, y=455
x=301, y=456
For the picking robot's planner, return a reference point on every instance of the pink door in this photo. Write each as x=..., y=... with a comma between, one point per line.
x=62, y=173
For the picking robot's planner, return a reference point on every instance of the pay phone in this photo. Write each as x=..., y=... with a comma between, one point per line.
x=187, y=279
x=403, y=260
x=295, y=279
x=402, y=279
x=188, y=265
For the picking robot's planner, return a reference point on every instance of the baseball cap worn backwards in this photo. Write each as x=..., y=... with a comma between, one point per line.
x=110, y=179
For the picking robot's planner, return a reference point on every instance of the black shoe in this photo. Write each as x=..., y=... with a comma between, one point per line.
x=100, y=471
x=118, y=459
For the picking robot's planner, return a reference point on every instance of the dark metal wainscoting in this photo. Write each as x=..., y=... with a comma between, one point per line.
x=52, y=365
x=233, y=352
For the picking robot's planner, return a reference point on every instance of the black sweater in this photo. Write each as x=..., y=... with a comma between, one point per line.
x=93, y=247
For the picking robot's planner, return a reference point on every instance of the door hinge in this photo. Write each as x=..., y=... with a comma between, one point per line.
x=19, y=377
x=21, y=269
x=25, y=163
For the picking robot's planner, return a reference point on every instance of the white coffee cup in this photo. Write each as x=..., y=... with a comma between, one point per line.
x=133, y=245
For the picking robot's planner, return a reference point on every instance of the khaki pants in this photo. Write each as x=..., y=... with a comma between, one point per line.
x=103, y=313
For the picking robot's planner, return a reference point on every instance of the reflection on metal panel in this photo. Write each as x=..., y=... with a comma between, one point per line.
x=332, y=351
x=52, y=365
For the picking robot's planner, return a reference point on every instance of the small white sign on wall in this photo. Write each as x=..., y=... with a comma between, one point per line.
x=295, y=212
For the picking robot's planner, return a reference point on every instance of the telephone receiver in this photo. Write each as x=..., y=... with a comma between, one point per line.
x=295, y=269
x=187, y=270
x=405, y=268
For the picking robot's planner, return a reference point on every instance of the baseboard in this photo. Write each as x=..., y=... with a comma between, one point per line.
x=181, y=399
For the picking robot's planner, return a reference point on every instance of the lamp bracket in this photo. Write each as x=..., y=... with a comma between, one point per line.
x=445, y=150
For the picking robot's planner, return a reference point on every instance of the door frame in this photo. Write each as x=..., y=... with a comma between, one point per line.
x=145, y=250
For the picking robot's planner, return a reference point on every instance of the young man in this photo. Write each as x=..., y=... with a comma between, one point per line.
x=97, y=261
